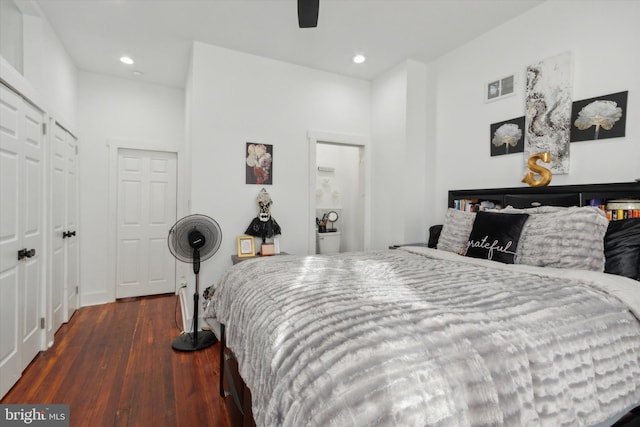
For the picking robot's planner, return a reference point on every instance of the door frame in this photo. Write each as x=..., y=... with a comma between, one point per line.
x=114, y=146
x=360, y=141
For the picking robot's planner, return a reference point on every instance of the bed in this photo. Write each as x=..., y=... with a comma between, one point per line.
x=427, y=336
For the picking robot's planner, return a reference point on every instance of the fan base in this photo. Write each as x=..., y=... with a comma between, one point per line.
x=185, y=341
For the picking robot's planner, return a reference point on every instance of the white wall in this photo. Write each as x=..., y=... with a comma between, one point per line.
x=48, y=76
x=419, y=166
x=388, y=130
x=11, y=34
x=144, y=116
x=48, y=65
x=603, y=38
x=238, y=98
x=402, y=169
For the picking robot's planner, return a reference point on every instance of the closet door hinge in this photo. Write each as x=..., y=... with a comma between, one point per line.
x=76, y=290
x=42, y=323
x=44, y=128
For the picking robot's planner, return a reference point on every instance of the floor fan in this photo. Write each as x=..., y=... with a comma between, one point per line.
x=193, y=239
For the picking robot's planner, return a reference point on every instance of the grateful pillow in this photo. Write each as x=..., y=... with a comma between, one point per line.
x=495, y=236
x=455, y=230
x=622, y=248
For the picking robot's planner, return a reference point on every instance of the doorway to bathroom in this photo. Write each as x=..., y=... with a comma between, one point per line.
x=338, y=184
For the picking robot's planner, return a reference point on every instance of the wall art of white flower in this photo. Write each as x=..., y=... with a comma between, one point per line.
x=603, y=114
x=599, y=118
x=508, y=135
x=259, y=164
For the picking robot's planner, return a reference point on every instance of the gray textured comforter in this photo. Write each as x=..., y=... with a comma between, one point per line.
x=417, y=337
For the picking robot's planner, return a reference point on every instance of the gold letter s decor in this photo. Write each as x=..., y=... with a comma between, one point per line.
x=545, y=174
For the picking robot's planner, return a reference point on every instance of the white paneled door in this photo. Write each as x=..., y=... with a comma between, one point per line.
x=58, y=225
x=63, y=287
x=21, y=236
x=71, y=201
x=145, y=213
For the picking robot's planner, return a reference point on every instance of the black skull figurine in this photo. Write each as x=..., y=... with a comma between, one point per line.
x=263, y=225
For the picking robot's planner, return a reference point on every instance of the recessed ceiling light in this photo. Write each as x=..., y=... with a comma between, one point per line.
x=126, y=60
x=359, y=59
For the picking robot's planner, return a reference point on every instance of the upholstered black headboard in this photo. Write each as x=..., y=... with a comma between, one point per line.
x=557, y=195
x=622, y=240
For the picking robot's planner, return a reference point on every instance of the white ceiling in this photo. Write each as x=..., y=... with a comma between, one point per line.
x=158, y=34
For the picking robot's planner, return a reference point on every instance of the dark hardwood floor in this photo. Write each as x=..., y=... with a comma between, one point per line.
x=114, y=365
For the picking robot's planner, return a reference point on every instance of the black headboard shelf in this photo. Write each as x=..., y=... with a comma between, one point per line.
x=554, y=195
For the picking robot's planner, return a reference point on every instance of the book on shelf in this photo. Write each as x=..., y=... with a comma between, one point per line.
x=620, y=214
x=473, y=205
x=617, y=210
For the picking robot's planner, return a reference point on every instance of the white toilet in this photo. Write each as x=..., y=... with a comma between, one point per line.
x=328, y=243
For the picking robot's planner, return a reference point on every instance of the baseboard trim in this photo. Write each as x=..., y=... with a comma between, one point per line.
x=95, y=298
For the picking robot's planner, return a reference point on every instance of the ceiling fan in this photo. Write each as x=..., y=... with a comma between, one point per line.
x=308, y=13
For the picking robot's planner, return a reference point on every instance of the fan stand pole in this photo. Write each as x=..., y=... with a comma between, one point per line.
x=196, y=298
x=195, y=340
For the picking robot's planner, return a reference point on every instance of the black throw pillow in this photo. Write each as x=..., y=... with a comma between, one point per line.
x=495, y=236
x=622, y=248
x=434, y=235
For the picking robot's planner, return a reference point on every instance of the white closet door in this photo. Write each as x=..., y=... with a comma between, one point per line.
x=146, y=211
x=58, y=227
x=72, y=271
x=11, y=187
x=20, y=232
x=64, y=225
x=32, y=232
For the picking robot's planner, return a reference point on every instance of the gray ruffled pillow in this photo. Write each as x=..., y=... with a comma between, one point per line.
x=456, y=229
x=562, y=237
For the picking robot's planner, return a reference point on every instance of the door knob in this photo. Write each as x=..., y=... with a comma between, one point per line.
x=26, y=253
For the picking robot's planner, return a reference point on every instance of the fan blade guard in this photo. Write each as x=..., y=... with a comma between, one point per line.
x=180, y=237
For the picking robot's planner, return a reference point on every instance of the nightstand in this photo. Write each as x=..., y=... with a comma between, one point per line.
x=424, y=245
x=236, y=259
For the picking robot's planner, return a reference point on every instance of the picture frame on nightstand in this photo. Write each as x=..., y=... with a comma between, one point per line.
x=267, y=249
x=246, y=246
